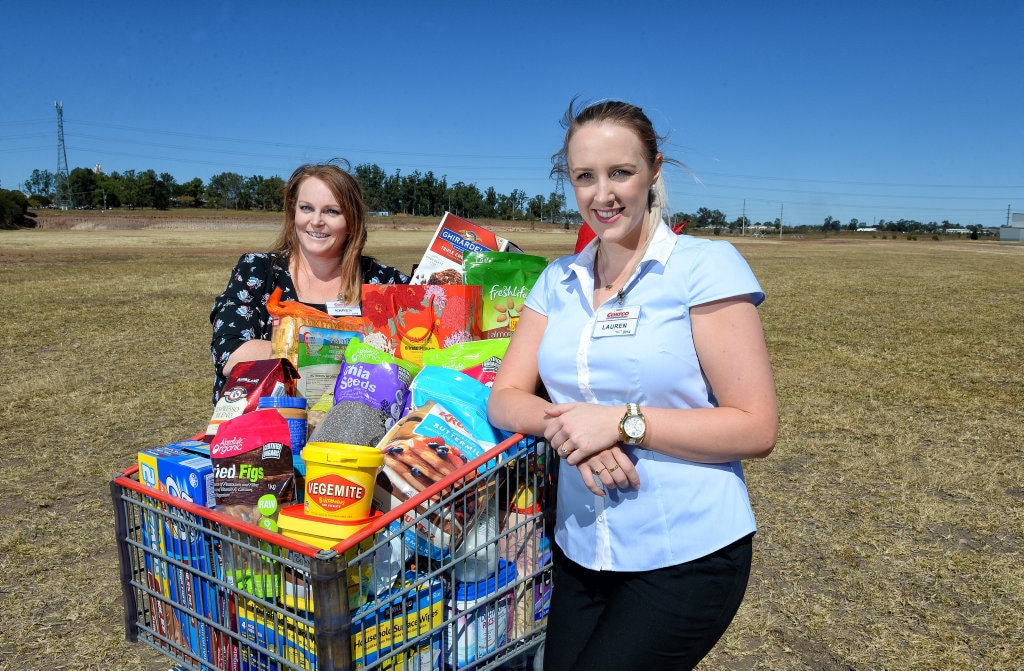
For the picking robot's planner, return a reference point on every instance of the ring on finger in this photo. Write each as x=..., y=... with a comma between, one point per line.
x=600, y=471
x=613, y=468
x=562, y=451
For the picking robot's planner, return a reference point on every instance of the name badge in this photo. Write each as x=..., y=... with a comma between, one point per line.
x=617, y=321
x=339, y=309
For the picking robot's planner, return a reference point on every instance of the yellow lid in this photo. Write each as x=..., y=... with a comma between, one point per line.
x=525, y=500
x=352, y=456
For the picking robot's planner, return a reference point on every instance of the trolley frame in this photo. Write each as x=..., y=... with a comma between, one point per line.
x=210, y=591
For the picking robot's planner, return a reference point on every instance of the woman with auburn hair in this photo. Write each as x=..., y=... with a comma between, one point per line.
x=649, y=346
x=317, y=259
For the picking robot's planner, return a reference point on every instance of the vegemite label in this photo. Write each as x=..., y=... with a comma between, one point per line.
x=332, y=492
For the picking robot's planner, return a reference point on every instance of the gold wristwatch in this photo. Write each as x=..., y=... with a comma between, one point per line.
x=633, y=426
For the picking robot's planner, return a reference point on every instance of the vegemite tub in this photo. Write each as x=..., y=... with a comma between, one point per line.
x=340, y=479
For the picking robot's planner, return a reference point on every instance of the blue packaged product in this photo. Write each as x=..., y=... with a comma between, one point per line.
x=482, y=621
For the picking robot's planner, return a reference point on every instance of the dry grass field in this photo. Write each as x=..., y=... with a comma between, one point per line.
x=891, y=514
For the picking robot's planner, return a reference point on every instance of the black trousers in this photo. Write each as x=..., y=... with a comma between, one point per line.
x=667, y=618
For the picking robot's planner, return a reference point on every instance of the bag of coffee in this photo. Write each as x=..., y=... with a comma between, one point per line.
x=247, y=383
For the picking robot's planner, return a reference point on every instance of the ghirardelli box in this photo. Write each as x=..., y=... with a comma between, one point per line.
x=442, y=262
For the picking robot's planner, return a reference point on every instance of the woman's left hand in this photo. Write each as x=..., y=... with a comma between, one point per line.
x=586, y=435
x=609, y=468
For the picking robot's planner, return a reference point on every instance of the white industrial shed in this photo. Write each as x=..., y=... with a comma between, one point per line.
x=1015, y=231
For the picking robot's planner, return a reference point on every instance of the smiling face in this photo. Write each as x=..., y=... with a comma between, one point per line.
x=611, y=179
x=321, y=228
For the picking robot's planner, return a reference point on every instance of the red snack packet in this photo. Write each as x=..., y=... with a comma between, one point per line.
x=405, y=320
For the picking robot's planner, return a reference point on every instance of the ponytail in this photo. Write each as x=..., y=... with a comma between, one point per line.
x=657, y=207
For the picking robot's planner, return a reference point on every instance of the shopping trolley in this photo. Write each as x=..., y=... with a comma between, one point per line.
x=456, y=577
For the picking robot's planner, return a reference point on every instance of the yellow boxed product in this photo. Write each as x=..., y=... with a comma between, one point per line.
x=279, y=634
x=412, y=613
x=324, y=533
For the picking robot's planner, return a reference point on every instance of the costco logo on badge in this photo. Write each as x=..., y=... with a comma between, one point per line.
x=333, y=492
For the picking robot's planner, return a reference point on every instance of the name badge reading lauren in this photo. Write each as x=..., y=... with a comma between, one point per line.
x=339, y=309
x=620, y=320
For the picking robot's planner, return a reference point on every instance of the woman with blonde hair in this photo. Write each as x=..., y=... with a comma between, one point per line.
x=650, y=349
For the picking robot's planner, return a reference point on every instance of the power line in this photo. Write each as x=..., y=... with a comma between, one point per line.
x=858, y=183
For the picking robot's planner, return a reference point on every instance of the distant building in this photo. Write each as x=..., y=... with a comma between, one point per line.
x=1015, y=231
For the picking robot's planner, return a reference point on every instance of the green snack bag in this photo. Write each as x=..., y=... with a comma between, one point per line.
x=505, y=280
x=479, y=359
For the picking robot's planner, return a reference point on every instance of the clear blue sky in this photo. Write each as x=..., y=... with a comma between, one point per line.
x=872, y=110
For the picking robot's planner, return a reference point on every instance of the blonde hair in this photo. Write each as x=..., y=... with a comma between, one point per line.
x=657, y=206
x=350, y=197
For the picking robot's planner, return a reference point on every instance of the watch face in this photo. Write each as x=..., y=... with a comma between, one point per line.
x=634, y=426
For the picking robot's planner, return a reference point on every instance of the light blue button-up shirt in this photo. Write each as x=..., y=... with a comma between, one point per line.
x=683, y=510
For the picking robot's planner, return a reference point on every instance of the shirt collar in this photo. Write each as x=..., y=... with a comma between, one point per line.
x=659, y=251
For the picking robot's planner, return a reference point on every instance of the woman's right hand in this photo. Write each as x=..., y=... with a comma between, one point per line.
x=250, y=350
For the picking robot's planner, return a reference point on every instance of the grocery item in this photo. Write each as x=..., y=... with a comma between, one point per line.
x=462, y=397
x=476, y=557
x=320, y=356
x=422, y=449
x=288, y=319
x=293, y=409
x=267, y=629
x=316, y=410
x=349, y=422
x=442, y=261
x=340, y=479
x=521, y=544
x=187, y=476
x=372, y=391
x=414, y=613
x=246, y=384
x=482, y=624
x=253, y=473
x=181, y=474
x=505, y=280
x=479, y=359
x=406, y=320
x=324, y=533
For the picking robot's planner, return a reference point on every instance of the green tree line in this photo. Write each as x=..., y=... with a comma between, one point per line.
x=416, y=193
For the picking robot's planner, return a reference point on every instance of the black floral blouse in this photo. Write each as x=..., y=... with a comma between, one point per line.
x=240, y=313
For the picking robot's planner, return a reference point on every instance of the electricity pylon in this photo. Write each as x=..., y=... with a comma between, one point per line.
x=62, y=182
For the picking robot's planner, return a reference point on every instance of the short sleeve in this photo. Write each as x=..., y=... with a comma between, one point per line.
x=719, y=271
x=240, y=313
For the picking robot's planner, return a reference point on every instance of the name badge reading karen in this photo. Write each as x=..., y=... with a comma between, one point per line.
x=339, y=309
x=617, y=321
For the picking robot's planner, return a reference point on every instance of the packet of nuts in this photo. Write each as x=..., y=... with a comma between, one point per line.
x=505, y=280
